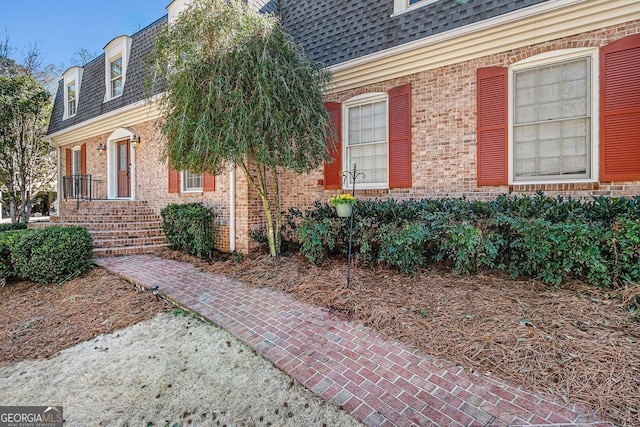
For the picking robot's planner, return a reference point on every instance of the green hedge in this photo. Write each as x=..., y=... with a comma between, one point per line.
x=551, y=239
x=52, y=254
x=13, y=227
x=6, y=245
x=189, y=227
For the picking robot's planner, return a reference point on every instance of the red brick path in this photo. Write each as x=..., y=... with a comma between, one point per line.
x=378, y=381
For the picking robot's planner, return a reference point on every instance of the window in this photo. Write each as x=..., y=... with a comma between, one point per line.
x=116, y=77
x=71, y=99
x=116, y=59
x=552, y=111
x=551, y=137
x=71, y=80
x=366, y=140
x=191, y=181
x=76, y=162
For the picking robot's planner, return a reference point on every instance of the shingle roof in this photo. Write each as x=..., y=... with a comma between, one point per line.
x=92, y=88
x=334, y=31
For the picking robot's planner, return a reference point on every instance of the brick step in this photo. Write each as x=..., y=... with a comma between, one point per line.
x=113, y=226
x=105, y=218
x=133, y=232
x=128, y=242
x=129, y=250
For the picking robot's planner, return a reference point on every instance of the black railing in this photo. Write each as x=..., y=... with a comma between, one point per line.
x=82, y=187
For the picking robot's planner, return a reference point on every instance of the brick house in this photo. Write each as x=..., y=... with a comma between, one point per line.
x=431, y=98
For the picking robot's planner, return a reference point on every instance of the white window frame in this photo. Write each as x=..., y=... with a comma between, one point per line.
x=120, y=47
x=402, y=6
x=365, y=98
x=72, y=76
x=72, y=111
x=549, y=58
x=183, y=183
x=112, y=79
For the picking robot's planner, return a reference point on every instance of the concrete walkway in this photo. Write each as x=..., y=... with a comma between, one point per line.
x=378, y=381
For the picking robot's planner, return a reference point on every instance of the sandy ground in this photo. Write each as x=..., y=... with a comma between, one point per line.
x=172, y=370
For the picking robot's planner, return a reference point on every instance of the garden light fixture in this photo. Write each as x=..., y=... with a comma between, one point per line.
x=154, y=291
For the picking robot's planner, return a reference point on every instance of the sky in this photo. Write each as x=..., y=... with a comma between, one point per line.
x=60, y=28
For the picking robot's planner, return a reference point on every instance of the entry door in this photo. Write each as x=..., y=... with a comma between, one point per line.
x=124, y=182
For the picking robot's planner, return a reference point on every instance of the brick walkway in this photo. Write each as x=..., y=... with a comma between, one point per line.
x=378, y=381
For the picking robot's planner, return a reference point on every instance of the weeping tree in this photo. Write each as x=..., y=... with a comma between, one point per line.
x=240, y=91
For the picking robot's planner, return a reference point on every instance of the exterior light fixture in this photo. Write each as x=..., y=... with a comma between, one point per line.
x=154, y=291
x=101, y=149
x=135, y=141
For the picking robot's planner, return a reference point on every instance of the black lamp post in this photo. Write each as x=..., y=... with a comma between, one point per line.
x=353, y=175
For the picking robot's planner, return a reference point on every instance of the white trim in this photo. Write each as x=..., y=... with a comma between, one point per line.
x=403, y=6
x=546, y=21
x=118, y=47
x=128, y=115
x=112, y=164
x=175, y=8
x=548, y=58
x=364, y=98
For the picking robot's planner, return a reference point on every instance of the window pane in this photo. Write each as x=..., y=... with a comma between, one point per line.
x=192, y=181
x=76, y=163
x=116, y=68
x=552, y=109
x=116, y=88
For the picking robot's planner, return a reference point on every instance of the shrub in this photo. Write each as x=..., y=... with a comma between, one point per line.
x=6, y=247
x=317, y=237
x=555, y=252
x=52, y=254
x=402, y=245
x=623, y=242
x=13, y=227
x=189, y=227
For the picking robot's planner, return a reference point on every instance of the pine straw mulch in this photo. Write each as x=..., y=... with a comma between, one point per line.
x=574, y=342
x=40, y=320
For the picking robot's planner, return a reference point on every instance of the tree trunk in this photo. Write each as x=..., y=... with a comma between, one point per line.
x=278, y=211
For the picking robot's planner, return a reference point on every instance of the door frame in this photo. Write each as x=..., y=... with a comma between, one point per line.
x=112, y=164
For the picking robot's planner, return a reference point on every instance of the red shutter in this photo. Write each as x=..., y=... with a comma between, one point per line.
x=400, y=136
x=492, y=126
x=333, y=171
x=68, y=165
x=174, y=179
x=83, y=159
x=208, y=182
x=620, y=110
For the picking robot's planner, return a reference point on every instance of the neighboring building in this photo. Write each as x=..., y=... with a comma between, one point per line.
x=431, y=98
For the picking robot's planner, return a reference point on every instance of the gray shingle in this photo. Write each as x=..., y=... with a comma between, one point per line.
x=334, y=31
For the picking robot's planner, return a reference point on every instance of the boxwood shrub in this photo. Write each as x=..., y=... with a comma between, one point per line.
x=6, y=247
x=52, y=254
x=12, y=227
x=189, y=227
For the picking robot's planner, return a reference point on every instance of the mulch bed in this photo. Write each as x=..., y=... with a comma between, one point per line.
x=40, y=320
x=575, y=342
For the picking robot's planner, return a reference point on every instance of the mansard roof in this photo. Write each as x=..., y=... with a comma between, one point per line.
x=91, y=97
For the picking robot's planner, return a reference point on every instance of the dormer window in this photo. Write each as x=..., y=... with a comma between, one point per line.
x=71, y=99
x=401, y=6
x=72, y=79
x=116, y=60
x=116, y=77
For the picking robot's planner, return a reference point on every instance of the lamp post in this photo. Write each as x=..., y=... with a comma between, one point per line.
x=353, y=175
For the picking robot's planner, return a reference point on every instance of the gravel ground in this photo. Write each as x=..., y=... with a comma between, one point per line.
x=172, y=370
